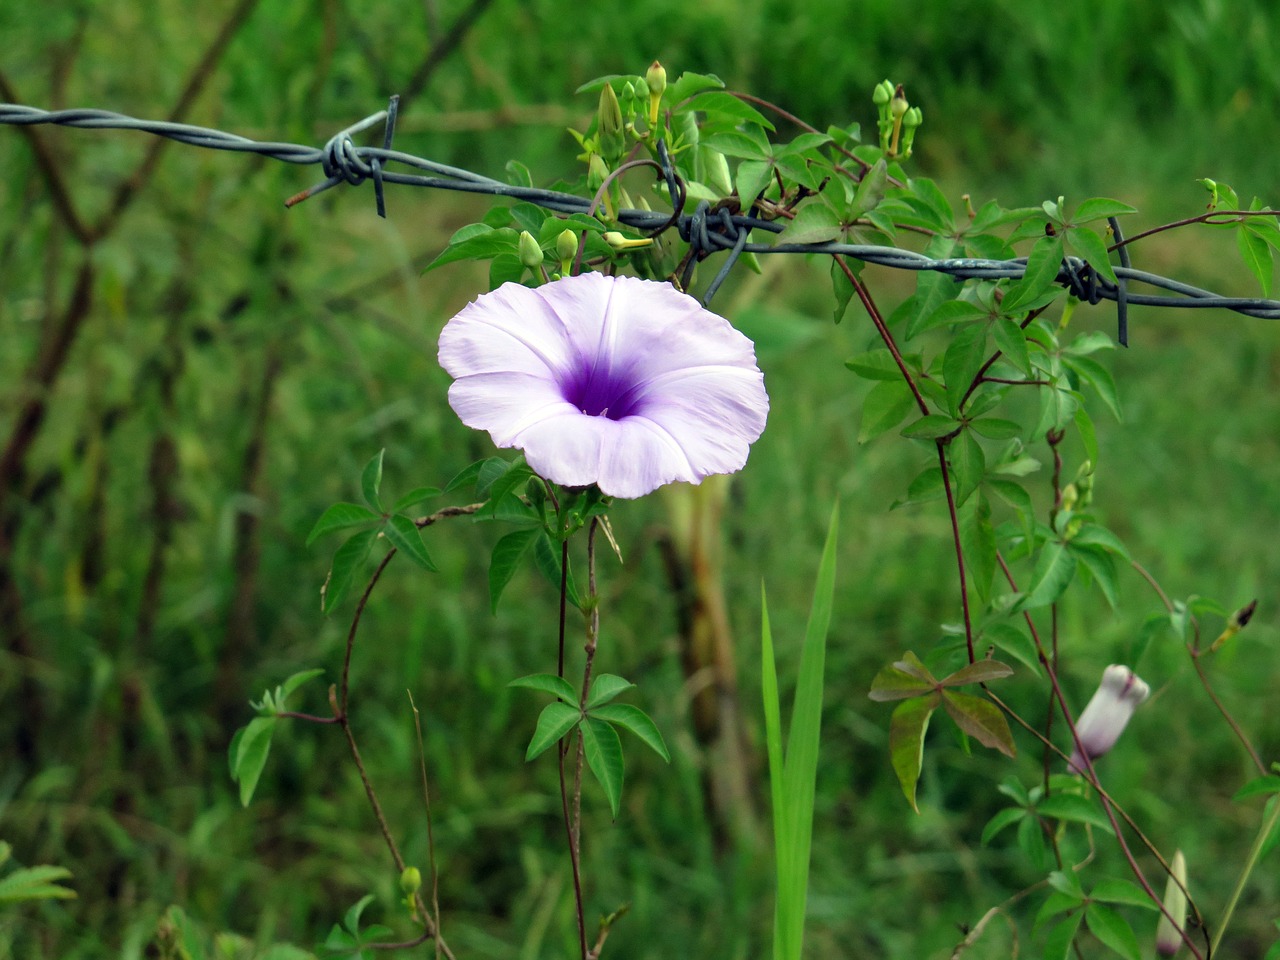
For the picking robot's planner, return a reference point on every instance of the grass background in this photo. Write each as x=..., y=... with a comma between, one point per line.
x=238, y=364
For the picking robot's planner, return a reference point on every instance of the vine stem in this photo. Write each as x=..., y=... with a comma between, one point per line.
x=1109, y=806
x=1194, y=651
x=430, y=930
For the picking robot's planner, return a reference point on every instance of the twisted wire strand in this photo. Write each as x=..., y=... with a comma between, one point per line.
x=707, y=230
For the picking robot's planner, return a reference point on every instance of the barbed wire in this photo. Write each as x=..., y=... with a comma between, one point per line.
x=707, y=229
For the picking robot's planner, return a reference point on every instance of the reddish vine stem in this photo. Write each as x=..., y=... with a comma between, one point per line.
x=954, y=515
x=1230, y=216
x=882, y=328
x=1109, y=806
x=1194, y=651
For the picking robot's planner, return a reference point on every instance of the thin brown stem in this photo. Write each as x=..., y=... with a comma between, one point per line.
x=864, y=295
x=954, y=515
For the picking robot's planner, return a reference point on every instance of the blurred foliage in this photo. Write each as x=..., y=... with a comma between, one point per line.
x=230, y=366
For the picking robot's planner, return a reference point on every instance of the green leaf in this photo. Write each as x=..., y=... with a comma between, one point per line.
x=1100, y=208
x=1012, y=341
x=548, y=683
x=346, y=560
x=968, y=465
x=1074, y=809
x=1053, y=572
x=1093, y=249
x=978, y=544
x=1014, y=642
x=980, y=719
x=483, y=244
x=814, y=222
x=995, y=428
x=554, y=722
x=297, y=680
x=35, y=883
x=341, y=516
x=508, y=553
x=1269, y=783
x=371, y=481
x=1057, y=945
x=871, y=190
x=964, y=358
x=1005, y=818
x=407, y=538
x=1101, y=565
x=468, y=475
x=751, y=177
x=1032, y=844
x=603, y=750
x=1113, y=930
x=842, y=287
x=722, y=107
x=907, y=728
x=415, y=497
x=930, y=427
x=605, y=687
x=636, y=721
x=874, y=364
x=1041, y=274
x=1088, y=434
x=249, y=749
x=546, y=557
x=885, y=407
x=1124, y=892
x=1257, y=256
x=1100, y=378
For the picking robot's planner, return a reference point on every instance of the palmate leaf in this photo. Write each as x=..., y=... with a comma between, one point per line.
x=980, y=719
x=605, y=687
x=603, y=751
x=346, y=561
x=407, y=538
x=907, y=728
x=902, y=679
x=558, y=687
x=508, y=553
x=342, y=516
x=1113, y=930
x=554, y=722
x=636, y=721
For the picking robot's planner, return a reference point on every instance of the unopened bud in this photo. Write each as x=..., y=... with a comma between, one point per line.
x=898, y=105
x=1235, y=623
x=410, y=881
x=609, y=130
x=597, y=172
x=566, y=246
x=530, y=252
x=620, y=243
x=1107, y=713
x=1169, y=932
x=656, y=80
x=883, y=93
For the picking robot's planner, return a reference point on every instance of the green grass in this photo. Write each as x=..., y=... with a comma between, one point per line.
x=207, y=277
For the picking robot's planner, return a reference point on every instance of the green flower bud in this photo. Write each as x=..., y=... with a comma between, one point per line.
x=656, y=80
x=597, y=172
x=898, y=105
x=410, y=881
x=620, y=243
x=717, y=171
x=530, y=252
x=566, y=246
x=609, y=130
x=1169, y=934
x=882, y=93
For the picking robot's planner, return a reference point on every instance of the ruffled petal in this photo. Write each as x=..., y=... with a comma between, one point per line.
x=617, y=381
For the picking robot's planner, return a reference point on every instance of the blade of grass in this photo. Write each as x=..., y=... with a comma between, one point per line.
x=793, y=798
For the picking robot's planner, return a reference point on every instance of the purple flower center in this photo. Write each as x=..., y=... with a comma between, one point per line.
x=599, y=391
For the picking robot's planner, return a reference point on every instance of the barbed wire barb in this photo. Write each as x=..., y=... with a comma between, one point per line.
x=707, y=230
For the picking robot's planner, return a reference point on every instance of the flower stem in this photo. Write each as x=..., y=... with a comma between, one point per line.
x=1255, y=853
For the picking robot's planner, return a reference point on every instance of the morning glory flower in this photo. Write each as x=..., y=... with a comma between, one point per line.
x=1107, y=712
x=616, y=381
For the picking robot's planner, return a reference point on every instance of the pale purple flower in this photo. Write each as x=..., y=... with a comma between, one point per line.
x=625, y=383
x=1107, y=712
